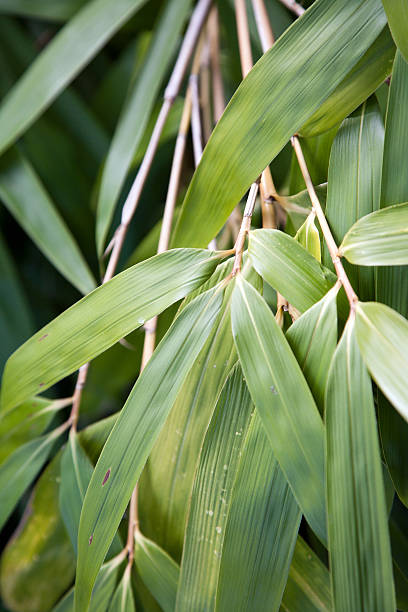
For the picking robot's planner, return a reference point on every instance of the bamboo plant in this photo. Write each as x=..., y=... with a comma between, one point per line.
x=220, y=421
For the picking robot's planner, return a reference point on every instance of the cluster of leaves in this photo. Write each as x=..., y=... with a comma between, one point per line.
x=244, y=427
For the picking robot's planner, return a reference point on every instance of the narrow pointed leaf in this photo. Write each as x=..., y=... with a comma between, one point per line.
x=123, y=601
x=158, y=571
x=59, y=63
x=394, y=442
x=134, y=434
x=359, y=547
x=42, y=9
x=20, y=469
x=283, y=400
x=270, y=105
x=382, y=336
x=354, y=183
x=397, y=15
x=262, y=527
x=308, y=236
x=134, y=118
x=366, y=76
x=308, y=587
x=76, y=472
x=211, y=496
x=379, y=239
x=289, y=268
x=313, y=339
x=102, y=318
x=25, y=197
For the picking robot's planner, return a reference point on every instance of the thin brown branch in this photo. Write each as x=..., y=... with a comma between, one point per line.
x=328, y=236
x=293, y=6
x=205, y=89
x=245, y=227
x=244, y=41
x=79, y=387
x=217, y=83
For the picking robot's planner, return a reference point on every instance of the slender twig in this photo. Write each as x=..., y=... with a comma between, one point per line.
x=150, y=327
x=80, y=384
x=293, y=6
x=245, y=227
x=217, y=84
x=205, y=88
x=190, y=39
x=328, y=236
x=262, y=21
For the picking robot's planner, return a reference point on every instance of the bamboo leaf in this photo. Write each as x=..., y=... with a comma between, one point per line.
x=317, y=51
x=283, y=400
x=211, y=495
x=354, y=183
x=134, y=434
x=359, y=547
x=394, y=436
x=397, y=15
x=42, y=9
x=25, y=197
x=289, y=268
x=158, y=571
x=379, y=239
x=369, y=72
x=313, y=339
x=20, y=469
x=308, y=236
x=308, y=587
x=102, y=318
x=134, y=117
x=76, y=472
x=263, y=522
x=26, y=421
x=63, y=58
x=382, y=336
x=123, y=601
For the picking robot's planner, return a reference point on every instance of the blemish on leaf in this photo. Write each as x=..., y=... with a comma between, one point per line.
x=41, y=384
x=106, y=477
x=42, y=337
x=90, y=539
x=274, y=391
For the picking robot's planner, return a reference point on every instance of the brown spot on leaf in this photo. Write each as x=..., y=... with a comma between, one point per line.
x=106, y=477
x=90, y=539
x=42, y=337
x=41, y=384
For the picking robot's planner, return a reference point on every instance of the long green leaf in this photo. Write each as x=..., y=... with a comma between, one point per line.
x=382, y=336
x=123, y=601
x=20, y=468
x=42, y=9
x=379, y=239
x=397, y=15
x=102, y=318
x=313, y=339
x=25, y=197
x=308, y=587
x=360, y=554
x=133, y=120
x=271, y=104
x=394, y=442
x=283, y=399
x=373, y=68
x=211, y=496
x=63, y=58
x=354, y=183
x=134, y=434
x=263, y=522
x=158, y=571
x=289, y=268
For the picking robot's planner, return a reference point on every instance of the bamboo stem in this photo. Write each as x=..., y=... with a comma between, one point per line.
x=245, y=227
x=293, y=6
x=262, y=24
x=205, y=87
x=76, y=402
x=328, y=236
x=217, y=84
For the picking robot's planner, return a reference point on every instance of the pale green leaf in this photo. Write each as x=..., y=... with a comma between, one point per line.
x=25, y=197
x=308, y=587
x=211, y=496
x=289, y=268
x=283, y=400
x=379, y=239
x=382, y=336
x=20, y=469
x=271, y=104
x=102, y=318
x=134, y=434
x=372, y=69
x=313, y=339
x=157, y=570
x=133, y=120
x=122, y=600
x=354, y=183
x=308, y=236
x=263, y=522
x=63, y=58
x=397, y=15
x=359, y=547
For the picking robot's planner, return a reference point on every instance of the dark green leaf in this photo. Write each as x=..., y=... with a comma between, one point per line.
x=397, y=14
